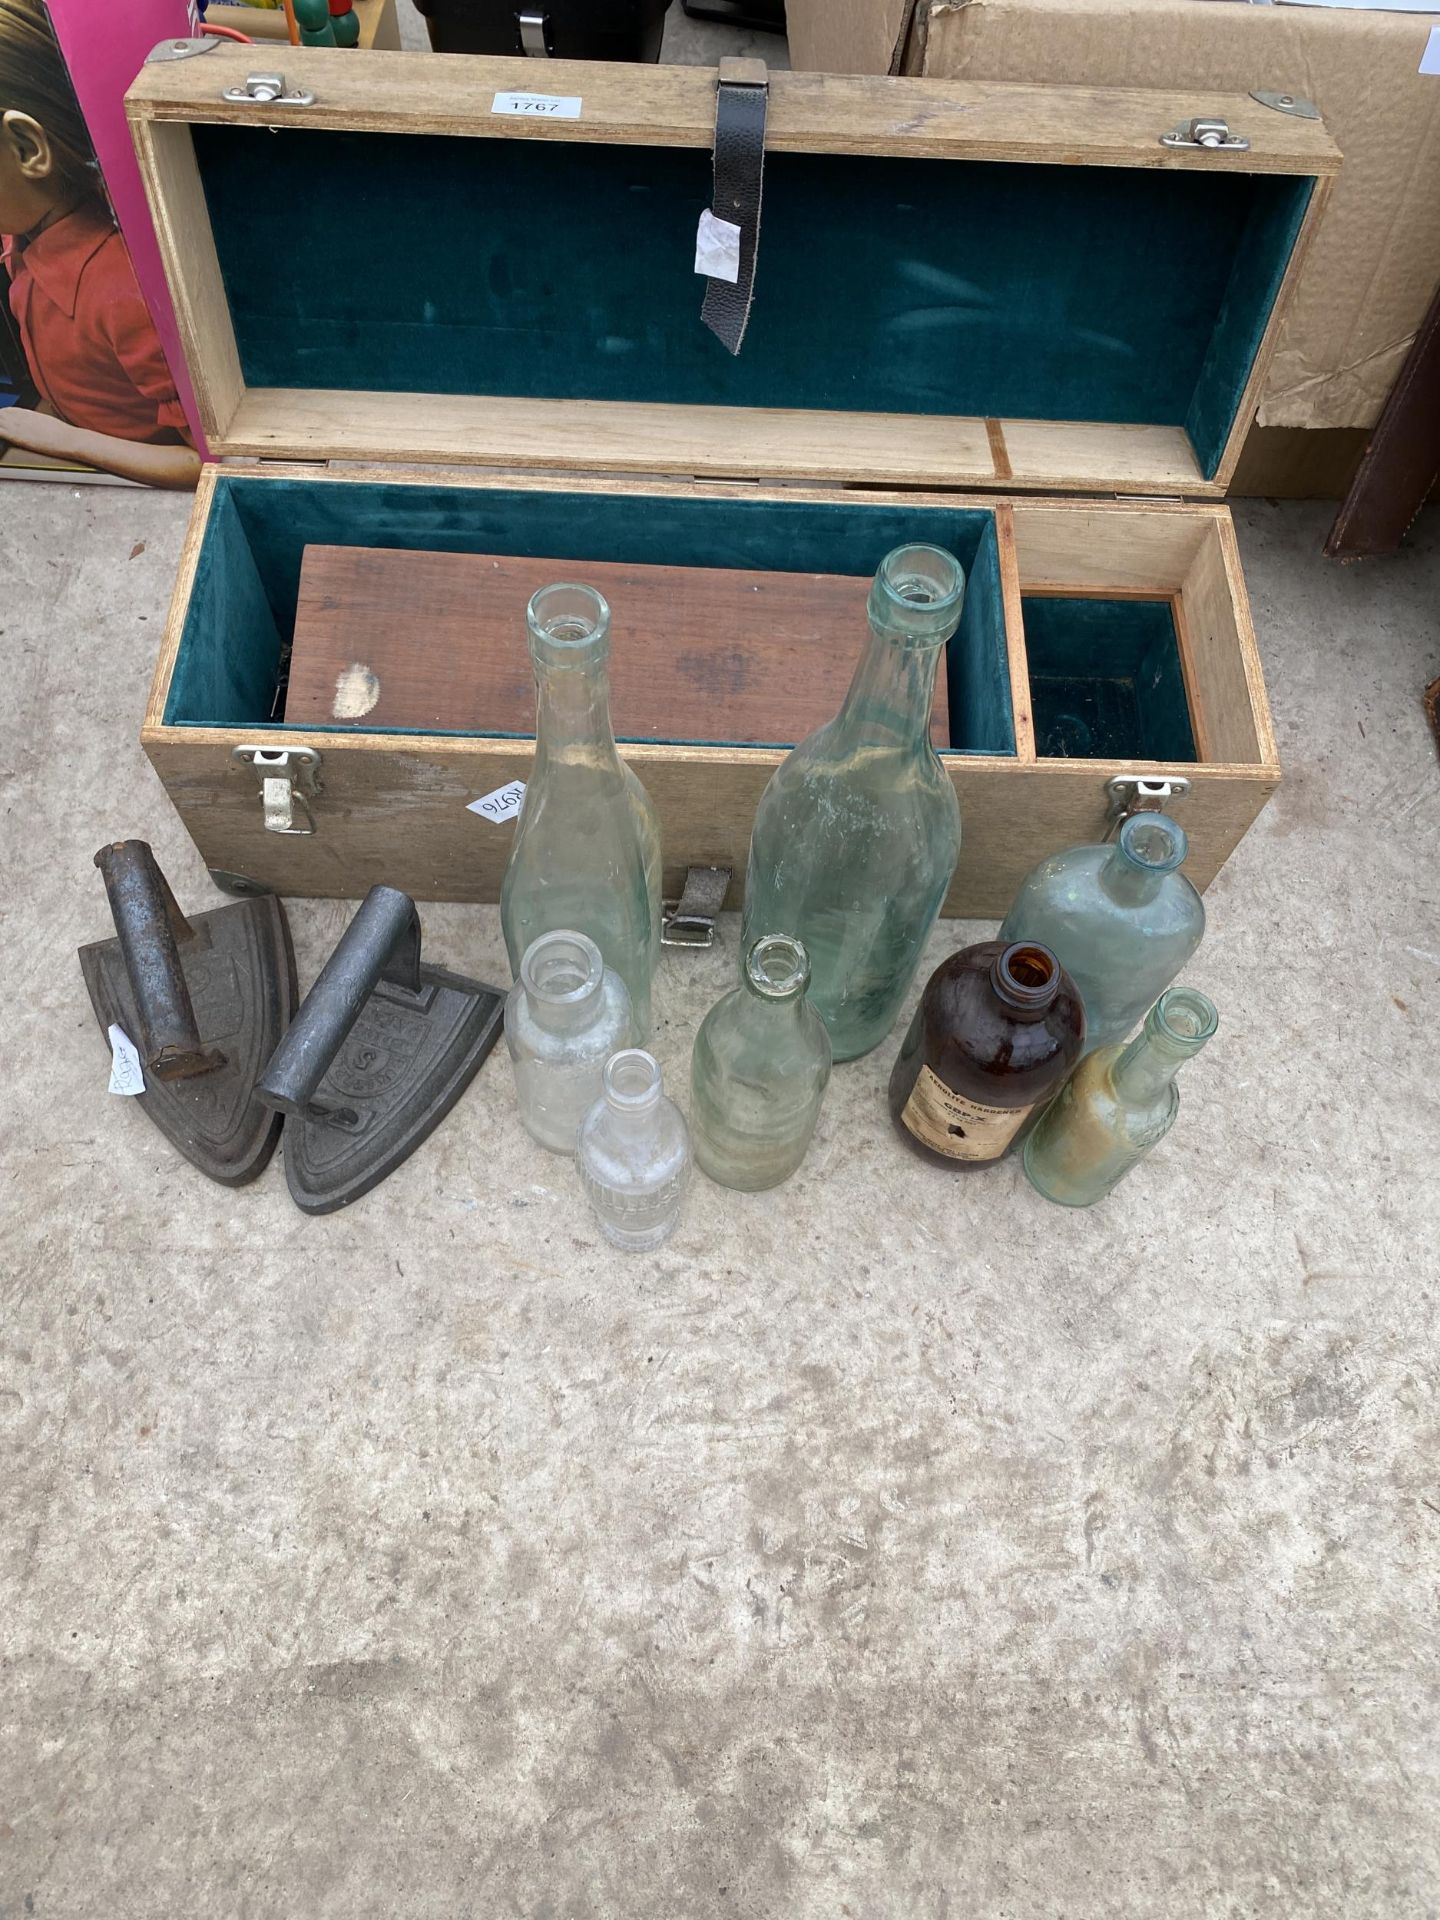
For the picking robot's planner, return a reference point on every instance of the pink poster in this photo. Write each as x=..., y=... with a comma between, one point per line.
x=91, y=370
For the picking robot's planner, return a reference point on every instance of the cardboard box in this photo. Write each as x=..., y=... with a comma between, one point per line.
x=1376, y=260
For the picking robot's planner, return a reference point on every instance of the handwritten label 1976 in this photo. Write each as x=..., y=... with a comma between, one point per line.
x=502, y=804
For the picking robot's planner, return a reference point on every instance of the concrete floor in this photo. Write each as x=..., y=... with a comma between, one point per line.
x=889, y=1545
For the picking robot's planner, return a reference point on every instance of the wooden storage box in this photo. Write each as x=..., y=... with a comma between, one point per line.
x=969, y=302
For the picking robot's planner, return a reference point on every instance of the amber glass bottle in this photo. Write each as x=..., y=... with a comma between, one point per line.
x=998, y=1029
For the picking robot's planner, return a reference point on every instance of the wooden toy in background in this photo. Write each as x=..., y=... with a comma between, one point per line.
x=435, y=642
x=377, y=21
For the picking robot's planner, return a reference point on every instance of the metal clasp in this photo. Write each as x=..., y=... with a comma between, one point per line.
x=1128, y=794
x=268, y=90
x=286, y=775
x=1214, y=135
x=690, y=920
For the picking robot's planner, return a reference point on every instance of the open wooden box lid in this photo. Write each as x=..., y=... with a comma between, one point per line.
x=957, y=285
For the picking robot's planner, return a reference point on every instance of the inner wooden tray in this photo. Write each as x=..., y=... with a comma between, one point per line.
x=417, y=641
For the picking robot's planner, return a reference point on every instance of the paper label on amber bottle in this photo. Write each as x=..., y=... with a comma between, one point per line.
x=953, y=1124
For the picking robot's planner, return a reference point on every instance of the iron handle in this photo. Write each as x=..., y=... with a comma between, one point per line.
x=382, y=942
x=150, y=927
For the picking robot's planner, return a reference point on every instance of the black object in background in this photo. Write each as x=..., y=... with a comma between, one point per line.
x=761, y=16
x=563, y=29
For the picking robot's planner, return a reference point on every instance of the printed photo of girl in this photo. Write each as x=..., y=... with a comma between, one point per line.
x=106, y=398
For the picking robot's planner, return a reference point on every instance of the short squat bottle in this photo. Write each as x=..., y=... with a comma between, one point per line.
x=587, y=844
x=759, y=1071
x=633, y=1153
x=1120, y=1102
x=997, y=1030
x=858, y=832
x=564, y=1017
x=1122, y=920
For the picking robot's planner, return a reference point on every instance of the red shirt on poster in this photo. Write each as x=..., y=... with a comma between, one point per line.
x=93, y=350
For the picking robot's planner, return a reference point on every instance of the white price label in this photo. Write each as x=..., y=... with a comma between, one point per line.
x=717, y=248
x=1430, y=58
x=503, y=804
x=539, y=106
x=125, y=1074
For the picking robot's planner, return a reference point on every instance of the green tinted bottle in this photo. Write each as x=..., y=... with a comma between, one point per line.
x=858, y=832
x=759, y=1071
x=1119, y=1103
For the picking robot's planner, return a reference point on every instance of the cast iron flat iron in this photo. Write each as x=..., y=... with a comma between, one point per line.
x=378, y=1054
x=204, y=1002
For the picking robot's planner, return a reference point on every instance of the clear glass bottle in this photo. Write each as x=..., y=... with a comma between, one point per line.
x=564, y=1017
x=587, y=844
x=759, y=1071
x=1121, y=919
x=633, y=1153
x=858, y=832
x=996, y=1031
x=1118, y=1104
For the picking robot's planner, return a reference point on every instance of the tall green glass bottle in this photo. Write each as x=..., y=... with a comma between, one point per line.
x=586, y=854
x=1118, y=1104
x=858, y=832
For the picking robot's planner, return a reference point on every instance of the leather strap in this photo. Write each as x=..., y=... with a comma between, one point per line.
x=740, y=102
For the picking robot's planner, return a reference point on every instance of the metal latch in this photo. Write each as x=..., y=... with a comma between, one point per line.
x=287, y=775
x=1292, y=103
x=1212, y=134
x=690, y=920
x=532, y=36
x=268, y=90
x=180, y=49
x=1128, y=794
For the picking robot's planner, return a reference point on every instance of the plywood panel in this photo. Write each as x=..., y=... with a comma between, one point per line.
x=808, y=112
x=394, y=810
x=410, y=641
x=1224, y=658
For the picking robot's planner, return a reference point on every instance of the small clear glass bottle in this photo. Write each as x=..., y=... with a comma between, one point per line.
x=633, y=1153
x=857, y=834
x=564, y=1017
x=586, y=852
x=996, y=1031
x=759, y=1071
x=1118, y=1104
x=1121, y=919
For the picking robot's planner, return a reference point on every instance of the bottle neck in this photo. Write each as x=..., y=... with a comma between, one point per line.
x=1127, y=883
x=1176, y=1028
x=632, y=1088
x=893, y=690
x=1025, y=978
x=572, y=707
x=563, y=975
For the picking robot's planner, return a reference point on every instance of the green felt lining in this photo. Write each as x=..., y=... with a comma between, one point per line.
x=242, y=608
x=1105, y=679
x=423, y=263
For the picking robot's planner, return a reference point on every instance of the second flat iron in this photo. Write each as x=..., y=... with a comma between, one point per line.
x=378, y=1054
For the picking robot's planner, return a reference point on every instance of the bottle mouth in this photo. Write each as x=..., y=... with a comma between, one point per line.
x=568, y=623
x=562, y=969
x=919, y=591
x=1153, y=843
x=1026, y=975
x=1185, y=1016
x=778, y=967
x=632, y=1079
